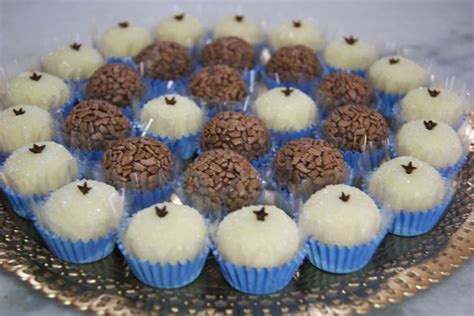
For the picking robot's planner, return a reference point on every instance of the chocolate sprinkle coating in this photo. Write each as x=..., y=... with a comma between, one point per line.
x=115, y=83
x=294, y=64
x=231, y=51
x=95, y=124
x=352, y=126
x=221, y=180
x=308, y=165
x=165, y=61
x=236, y=131
x=141, y=163
x=339, y=89
x=218, y=82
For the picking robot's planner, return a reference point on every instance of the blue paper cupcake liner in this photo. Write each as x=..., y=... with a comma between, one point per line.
x=259, y=281
x=353, y=159
x=343, y=259
x=137, y=200
x=281, y=138
x=127, y=61
x=77, y=251
x=3, y=157
x=307, y=86
x=386, y=102
x=166, y=276
x=358, y=72
x=21, y=204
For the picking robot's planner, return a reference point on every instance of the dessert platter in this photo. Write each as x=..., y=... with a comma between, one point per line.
x=226, y=171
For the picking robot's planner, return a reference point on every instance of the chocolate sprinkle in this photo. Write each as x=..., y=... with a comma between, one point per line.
x=20, y=111
x=229, y=50
x=75, y=46
x=261, y=214
x=84, y=188
x=123, y=24
x=37, y=149
x=287, y=91
x=161, y=211
x=393, y=60
x=433, y=92
x=179, y=17
x=239, y=18
x=170, y=101
x=409, y=168
x=344, y=197
x=297, y=24
x=351, y=40
x=35, y=77
x=430, y=124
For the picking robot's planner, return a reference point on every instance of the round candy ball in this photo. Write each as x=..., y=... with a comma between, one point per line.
x=231, y=51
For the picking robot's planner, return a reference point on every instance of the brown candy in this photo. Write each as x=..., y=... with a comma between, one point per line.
x=165, y=61
x=218, y=82
x=115, y=83
x=221, y=180
x=236, y=131
x=141, y=163
x=231, y=51
x=294, y=64
x=307, y=165
x=352, y=126
x=95, y=124
x=339, y=89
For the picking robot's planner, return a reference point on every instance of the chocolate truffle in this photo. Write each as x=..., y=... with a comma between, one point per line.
x=231, y=51
x=307, y=165
x=218, y=82
x=221, y=180
x=141, y=163
x=339, y=89
x=240, y=26
x=351, y=127
x=294, y=64
x=236, y=131
x=95, y=124
x=165, y=61
x=115, y=83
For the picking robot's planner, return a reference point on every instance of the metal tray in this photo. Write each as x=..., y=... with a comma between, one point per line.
x=400, y=268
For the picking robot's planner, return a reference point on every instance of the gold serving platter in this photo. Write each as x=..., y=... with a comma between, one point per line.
x=401, y=267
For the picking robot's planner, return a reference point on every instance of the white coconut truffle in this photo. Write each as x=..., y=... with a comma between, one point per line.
x=397, y=74
x=258, y=236
x=24, y=124
x=39, y=168
x=37, y=88
x=183, y=29
x=75, y=61
x=166, y=233
x=341, y=215
x=82, y=210
x=286, y=109
x=292, y=33
x=172, y=116
x=441, y=105
x=408, y=184
x=239, y=26
x=433, y=142
x=349, y=53
x=123, y=40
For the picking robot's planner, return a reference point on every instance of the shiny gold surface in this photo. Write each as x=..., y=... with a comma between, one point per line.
x=401, y=268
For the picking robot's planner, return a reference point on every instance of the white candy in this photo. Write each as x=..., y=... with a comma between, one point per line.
x=176, y=120
x=440, y=146
x=180, y=235
x=239, y=26
x=396, y=189
x=34, y=125
x=186, y=30
x=46, y=92
x=447, y=106
x=69, y=213
x=398, y=77
x=244, y=240
x=330, y=220
x=30, y=173
x=297, y=33
x=283, y=113
x=341, y=54
x=69, y=63
x=123, y=40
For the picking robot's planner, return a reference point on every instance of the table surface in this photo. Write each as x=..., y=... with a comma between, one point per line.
x=438, y=34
